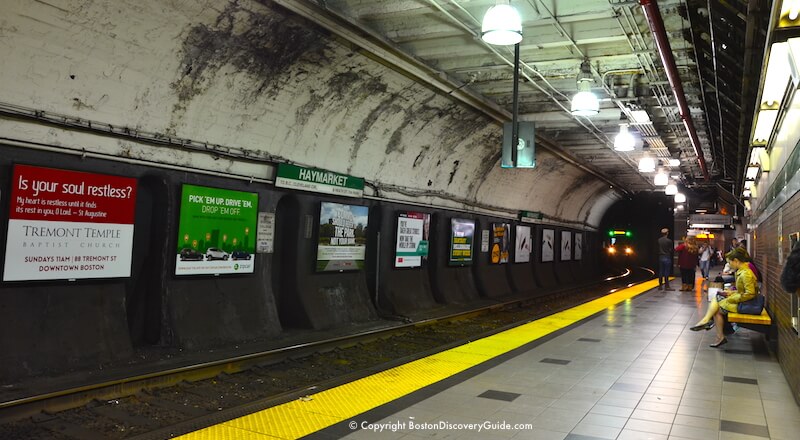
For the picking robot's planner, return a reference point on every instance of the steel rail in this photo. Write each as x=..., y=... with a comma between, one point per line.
x=117, y=388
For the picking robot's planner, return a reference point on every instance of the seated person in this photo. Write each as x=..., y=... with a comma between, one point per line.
x=728, y=301
x=727, y=274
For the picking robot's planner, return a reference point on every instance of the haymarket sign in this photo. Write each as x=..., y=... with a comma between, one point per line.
x=316, y=180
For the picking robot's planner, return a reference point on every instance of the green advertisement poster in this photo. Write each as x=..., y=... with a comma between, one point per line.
x=216, y=231
x=462, y=233
x=342, y=239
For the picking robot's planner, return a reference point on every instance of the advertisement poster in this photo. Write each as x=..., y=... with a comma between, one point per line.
x=69, y=225
x=548, y=239
x=522, y=254
x=342, y=240
x=462, y=232
x=566, y=245
x=216, y=232
x=578, y=245
x=412, y=238
x=501, y=234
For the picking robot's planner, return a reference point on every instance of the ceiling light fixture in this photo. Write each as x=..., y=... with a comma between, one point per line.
x=671, y=189
x=674, y=163
x=748, y=184
x=585, y=103
x=640, y=117
x=752, y=172
x=680, y=198
x=647, y=165
x=746, y=193
x=502, y=25
x=661, y=179
x=790, y=12
x=765, y=122
x=624, y=140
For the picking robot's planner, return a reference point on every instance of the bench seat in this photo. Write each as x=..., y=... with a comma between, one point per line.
x=762, y=319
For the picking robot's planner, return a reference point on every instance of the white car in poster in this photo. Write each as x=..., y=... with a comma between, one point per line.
x=216, y=254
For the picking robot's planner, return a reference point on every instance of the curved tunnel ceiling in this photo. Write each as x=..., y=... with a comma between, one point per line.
x=258, y=78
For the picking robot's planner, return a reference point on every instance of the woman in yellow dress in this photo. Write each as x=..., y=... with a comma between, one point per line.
x=746, y=289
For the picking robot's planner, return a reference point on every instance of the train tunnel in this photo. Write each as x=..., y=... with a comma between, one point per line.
x=189, y=177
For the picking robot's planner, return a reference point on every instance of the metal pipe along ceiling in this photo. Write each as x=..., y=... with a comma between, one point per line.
x=656, y=23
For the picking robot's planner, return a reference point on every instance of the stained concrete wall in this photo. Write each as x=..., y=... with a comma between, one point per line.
x=263, y=83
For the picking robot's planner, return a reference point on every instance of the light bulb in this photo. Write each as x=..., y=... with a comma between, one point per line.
x=502, y=25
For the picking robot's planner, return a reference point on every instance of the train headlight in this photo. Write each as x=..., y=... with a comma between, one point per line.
x=628, y=251
x=612, y=250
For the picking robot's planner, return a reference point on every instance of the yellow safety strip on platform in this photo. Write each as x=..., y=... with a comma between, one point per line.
x=303, y=417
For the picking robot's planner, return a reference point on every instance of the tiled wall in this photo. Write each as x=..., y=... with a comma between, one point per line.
x=779, y=302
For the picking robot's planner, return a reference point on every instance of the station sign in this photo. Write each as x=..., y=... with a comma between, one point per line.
x=317, y=180
x=68, y=225
x=710, y=221
x=530, y=216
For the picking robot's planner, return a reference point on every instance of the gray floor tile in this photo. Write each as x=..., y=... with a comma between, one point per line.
x=539, y=434
x=653, y=416
x=588, y=431
x=691, y=432
x=499, y=395
x=744, y=428
x=648, y=426
x=627, y=434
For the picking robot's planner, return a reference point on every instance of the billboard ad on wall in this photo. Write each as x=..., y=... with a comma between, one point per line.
x=413, y=230
x=462, y=233
x=548, y=240
x=342, y=240
x=69, y=225
x=501, y=235
x=566, y=245
x=578, y=245
x=216, y=231
x=522, y=253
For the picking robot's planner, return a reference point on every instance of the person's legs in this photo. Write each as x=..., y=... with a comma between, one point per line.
x=664, y=267
x=719, y=323
x=713, y=308
x=704, y=268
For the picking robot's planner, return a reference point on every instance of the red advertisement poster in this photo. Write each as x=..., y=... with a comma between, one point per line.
x=69, y=225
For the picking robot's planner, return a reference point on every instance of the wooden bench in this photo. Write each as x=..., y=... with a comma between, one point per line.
x=761, y=323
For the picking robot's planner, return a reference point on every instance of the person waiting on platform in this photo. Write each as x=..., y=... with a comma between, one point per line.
x=728, y=301
x=687, y=261
x=706, y=253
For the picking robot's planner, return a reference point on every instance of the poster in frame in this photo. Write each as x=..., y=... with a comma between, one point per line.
x=578, y=244
x=566, y=245
x=462, y=235
x=548, y=245
x=411, y=246
x=501, y=236
x=522, y=244
x=342, y=237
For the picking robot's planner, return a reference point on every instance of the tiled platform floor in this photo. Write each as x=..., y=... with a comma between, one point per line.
x=634, y=372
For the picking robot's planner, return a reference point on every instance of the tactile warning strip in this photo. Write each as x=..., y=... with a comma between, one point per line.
x=302, y=417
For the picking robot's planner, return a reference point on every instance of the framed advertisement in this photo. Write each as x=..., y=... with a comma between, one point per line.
x=216, y=231
x=462, y=234
x=69, y=225
x=342, y=237
x=411, y=246
x=522, y=245
x=566, y=245
x=501, y=237
x=548, y=245
x=578, y=245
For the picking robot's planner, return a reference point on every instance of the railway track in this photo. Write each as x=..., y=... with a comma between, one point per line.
x=175, y=401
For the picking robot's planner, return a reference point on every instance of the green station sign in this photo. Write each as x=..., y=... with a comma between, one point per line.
x=317, y=180
x=529, y=216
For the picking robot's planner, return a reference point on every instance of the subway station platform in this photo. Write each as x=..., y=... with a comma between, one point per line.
x=625, y=366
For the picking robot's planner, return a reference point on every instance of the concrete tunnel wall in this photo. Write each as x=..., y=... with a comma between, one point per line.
x=256, y=85
x=269, y=85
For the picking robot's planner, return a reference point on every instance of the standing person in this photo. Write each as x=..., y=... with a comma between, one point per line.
x=705, y=259
x=734, y=244
x=687, y=261
x=664, y=260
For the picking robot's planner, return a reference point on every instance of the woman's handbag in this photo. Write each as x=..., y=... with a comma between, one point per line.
x=752, y=307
